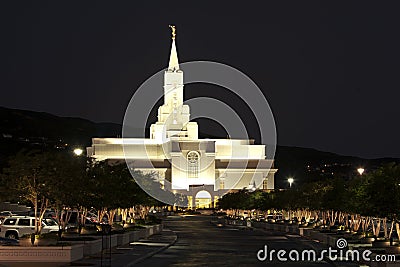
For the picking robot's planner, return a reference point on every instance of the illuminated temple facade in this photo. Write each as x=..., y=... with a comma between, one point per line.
x=201, y=169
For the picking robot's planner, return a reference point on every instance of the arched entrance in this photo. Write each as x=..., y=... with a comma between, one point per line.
x=203, y=199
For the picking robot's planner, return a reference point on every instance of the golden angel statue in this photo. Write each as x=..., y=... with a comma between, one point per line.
x=173, y=31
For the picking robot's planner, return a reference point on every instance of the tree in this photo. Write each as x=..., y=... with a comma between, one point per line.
x=67, y=191
x=111, y=186
x=28, y=176
x=383, y=190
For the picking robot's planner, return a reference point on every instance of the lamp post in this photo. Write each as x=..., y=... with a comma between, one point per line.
x=290, y=181
x=360, y=170
x=78, y=151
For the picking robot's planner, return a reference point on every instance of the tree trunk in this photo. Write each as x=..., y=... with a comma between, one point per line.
x=391, y=229
x=111, y=214
x=124, y=213
x=398, y=229
x=385, y=229
x=36, y=211
x=378, y=227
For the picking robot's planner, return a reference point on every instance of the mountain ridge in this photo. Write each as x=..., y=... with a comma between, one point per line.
x=30, y=129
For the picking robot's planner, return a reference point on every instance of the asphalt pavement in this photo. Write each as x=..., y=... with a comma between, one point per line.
x=194, y=241
x=200, y=243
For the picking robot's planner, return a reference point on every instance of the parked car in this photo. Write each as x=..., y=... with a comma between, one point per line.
x=50, y=223
x=274, y=218
x=260, y=218
x=16, y=226
x=49, y=213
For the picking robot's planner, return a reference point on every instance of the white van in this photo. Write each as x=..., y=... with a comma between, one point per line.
x=17, y=226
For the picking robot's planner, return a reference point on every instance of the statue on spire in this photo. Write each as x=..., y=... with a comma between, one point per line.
x=173, y=58
x=173, y=31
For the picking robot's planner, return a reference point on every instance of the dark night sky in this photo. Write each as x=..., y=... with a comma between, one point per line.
x=329, y=69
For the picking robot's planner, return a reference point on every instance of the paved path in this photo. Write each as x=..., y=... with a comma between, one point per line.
x=193, y=241
x=201, y=243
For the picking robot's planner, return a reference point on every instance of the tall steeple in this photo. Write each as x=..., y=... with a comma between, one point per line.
x=173, y=79
x=173, y=58
x=173, y=116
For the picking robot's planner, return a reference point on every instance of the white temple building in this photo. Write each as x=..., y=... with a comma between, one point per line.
x=201, y=169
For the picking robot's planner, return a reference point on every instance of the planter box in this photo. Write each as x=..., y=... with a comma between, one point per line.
x=279, y=227
x=293, y=229
x=381, y=244
x=91, y=247
x=259, y=225
x=41, y=254
x=122, y=239
x=301, y=231
x=106, y=241
x=132, y=235
x=158, y=227
x=269, y=226
x=140, y=234
x=75, y=252
x=149, y=231
x=331, y=240
x=319, y=236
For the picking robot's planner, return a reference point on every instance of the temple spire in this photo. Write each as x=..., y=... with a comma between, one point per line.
x=173, y=58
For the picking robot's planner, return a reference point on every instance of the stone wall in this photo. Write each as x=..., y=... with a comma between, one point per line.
x=76, y=251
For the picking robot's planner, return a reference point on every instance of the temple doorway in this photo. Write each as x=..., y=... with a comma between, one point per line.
x=203, y=200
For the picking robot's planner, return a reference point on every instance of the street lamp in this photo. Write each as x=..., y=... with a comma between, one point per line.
x=290, y=180
x=360, y=170
x=78, y=151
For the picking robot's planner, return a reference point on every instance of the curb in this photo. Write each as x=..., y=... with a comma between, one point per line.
x=150, y=254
